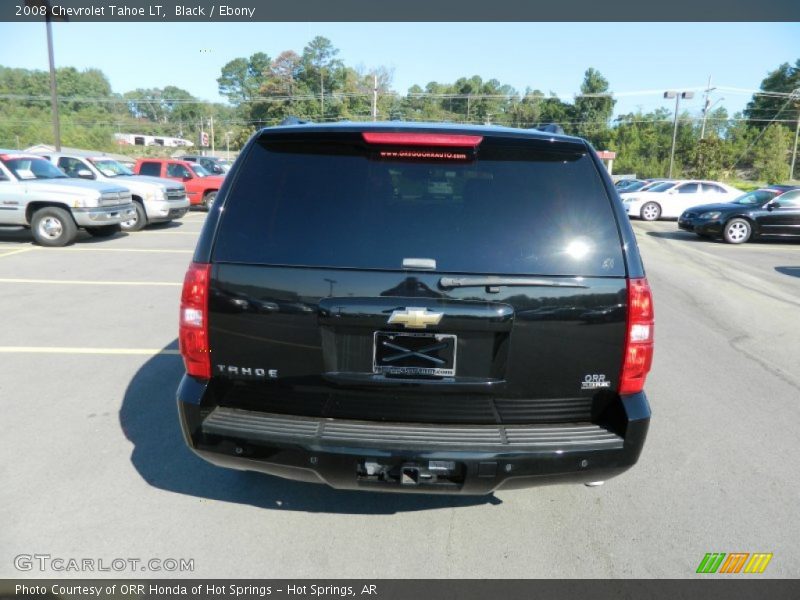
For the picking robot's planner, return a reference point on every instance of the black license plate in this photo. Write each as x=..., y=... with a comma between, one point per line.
x=414, y=354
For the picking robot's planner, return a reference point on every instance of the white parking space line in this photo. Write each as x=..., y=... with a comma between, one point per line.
x=169, y=233
x=101, y=249
x=79, y=282
x=3, y=253
x=68, y=350
x=8, y=251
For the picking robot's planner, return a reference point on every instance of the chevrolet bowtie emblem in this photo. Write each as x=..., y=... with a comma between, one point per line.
x=415, y=318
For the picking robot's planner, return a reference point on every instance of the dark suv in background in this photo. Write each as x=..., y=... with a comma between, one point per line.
x=421, y=308
x=212, y=164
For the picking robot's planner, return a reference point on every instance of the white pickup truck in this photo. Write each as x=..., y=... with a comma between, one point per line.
x=35, y=194
x=156, y=200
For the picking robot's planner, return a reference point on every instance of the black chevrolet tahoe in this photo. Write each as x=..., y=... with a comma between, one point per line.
x=420, y=308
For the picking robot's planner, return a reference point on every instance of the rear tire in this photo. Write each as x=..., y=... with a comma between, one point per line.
x=650, y=212
x=138, y=221
x=53, y=227
x=737, y=231
x=208, y=200
x=104, y=231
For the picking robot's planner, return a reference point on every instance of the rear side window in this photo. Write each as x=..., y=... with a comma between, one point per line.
x=661, y=187
x=518, y=208
x=789, y=200
x=150, y=168
x=71, y=166
x=176, y=170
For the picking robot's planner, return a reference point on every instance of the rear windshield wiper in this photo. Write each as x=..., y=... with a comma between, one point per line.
x=495, y=282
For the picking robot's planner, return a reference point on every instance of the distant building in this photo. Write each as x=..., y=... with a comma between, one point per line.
x=45, y=149
x=137, y=139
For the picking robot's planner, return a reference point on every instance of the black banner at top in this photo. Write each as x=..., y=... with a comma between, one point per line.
x=155, y=11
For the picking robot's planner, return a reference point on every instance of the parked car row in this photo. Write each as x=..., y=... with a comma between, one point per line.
x=634, y=185
x=715, y=210
x=668, y=199
x=156, y=200
x=765, y=212
x=55, y=194
x=34, y=193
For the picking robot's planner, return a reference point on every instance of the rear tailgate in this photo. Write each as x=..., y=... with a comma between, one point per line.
x=475, y=280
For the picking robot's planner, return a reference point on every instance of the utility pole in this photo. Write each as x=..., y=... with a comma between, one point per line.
x=321, y=97
x=211, y=124
x=706, y=102
x=796, y=132
x=53, y=87
x=677, y=96
x=375, y=98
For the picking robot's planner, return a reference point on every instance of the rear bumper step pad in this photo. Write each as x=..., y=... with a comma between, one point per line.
x=264, y=427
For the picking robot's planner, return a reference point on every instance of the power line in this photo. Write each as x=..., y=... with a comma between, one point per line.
x=177, y=124
x=386, y=94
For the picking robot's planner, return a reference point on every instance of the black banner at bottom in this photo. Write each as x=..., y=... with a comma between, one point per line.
x=733, y=588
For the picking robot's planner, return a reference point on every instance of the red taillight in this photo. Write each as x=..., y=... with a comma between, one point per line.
x=423, y=139
x=639, y=341
x=193, y=330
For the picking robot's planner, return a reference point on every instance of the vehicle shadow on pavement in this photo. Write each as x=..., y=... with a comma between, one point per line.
x=683, y=236
x=16, y=236
x=24, y=236
x=791, y=271
x=686, y=236
x=176, y=224
x=149, y=419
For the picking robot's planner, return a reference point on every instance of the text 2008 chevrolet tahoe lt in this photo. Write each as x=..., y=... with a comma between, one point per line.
x=419, y=308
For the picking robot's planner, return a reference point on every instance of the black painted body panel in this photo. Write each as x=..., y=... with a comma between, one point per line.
x=521, y=343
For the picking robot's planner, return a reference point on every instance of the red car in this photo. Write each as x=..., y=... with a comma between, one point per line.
x=201, y=186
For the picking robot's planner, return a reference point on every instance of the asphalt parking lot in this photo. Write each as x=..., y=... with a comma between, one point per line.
x=94, y=465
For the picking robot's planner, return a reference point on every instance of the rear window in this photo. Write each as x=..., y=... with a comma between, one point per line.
x=150, y=168
x=518, y=208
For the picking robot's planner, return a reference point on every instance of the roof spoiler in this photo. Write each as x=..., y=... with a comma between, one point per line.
x=550, y=128
x=294, y=121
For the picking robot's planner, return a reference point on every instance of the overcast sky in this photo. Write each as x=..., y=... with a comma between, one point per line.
x=640, y=60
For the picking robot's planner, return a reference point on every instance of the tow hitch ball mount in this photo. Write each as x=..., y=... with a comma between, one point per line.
x=409, y=473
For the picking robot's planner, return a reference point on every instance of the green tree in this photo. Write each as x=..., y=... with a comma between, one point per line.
x=594, y=108
x=770, y=154
x=323, y=74
x=527, y=110
x=554, y=110
x=762, y=108
x=642, y=142
x=242, y=78
x=708, y=160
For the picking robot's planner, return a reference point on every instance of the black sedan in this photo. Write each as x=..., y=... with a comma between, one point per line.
x=764, y=212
